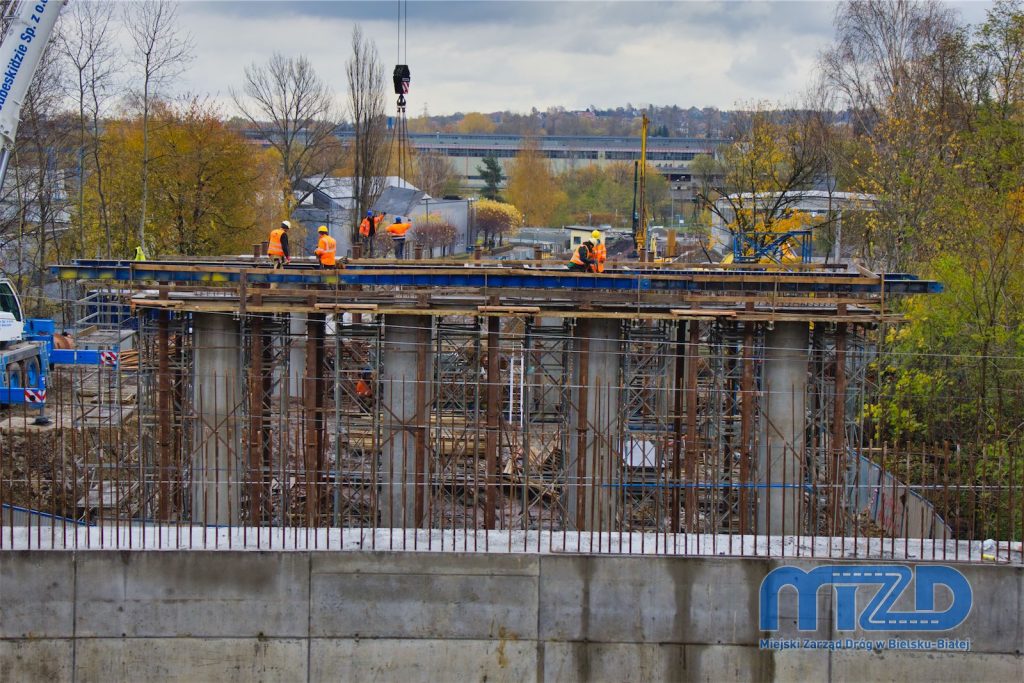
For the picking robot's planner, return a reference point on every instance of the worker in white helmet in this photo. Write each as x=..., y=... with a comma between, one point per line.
x=277, y=247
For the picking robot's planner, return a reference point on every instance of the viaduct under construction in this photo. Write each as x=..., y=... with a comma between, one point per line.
x=498, y=396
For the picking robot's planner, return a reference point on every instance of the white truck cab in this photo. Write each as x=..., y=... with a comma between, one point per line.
x=12, y=320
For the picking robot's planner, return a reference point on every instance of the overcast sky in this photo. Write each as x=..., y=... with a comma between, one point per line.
x=496, y=55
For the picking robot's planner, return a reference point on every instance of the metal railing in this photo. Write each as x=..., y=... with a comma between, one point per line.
x=176, y=458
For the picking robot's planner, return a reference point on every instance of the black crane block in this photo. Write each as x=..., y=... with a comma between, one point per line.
x=401, y=78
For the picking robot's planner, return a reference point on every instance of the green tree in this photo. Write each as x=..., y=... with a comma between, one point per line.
x=495, y=220
x=474, y=123
x=210, y=191
x=947, y=164
x=492, y=176
x=531, y=186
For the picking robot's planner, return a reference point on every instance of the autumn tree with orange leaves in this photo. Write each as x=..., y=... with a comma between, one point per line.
x=210, y=190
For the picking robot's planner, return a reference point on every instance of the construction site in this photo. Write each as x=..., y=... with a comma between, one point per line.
x=514, y=396
x=676, y=463
x=464, y=434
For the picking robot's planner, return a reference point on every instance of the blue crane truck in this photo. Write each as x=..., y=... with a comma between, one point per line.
x=27, y=354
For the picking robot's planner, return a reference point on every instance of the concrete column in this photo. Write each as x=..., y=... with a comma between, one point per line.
x=782, y=428
x=595, y=455
x=296, y=354
x=215, y=394
x=403, y=369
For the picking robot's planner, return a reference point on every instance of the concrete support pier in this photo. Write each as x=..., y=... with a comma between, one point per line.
x=296, y=354
x=406, y=375
x=782, y=427
x=595, y=449
x=215, y=477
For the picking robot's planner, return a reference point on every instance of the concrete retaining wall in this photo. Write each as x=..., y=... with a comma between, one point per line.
x=298, y=615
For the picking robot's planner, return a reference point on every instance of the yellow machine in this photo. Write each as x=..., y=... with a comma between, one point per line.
x=639, y=187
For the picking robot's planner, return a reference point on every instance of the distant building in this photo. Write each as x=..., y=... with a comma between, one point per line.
x=331, y=202
x=416, y=205
x=818, y=203
x=671, y=156
x=550, y=240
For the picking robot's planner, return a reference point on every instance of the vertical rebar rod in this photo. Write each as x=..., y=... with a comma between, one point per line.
x=746, y=423
x=838, y=433
x=164, y=403
x=421, y=413
x=255, y=440
x=493, y=386
x=679, y=404
x=691, y=424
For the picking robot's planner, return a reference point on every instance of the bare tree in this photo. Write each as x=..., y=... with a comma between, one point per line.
x=32, y=222
x=1000, y=49
x=85, y=42
x=434, y=232
x=162, y=53
x=435, y=175
x=293, y=109
x=754, y=186
x=366, y=92
x=881, y=48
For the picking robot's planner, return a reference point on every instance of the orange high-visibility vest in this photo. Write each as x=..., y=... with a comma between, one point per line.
x=326, y=250
x=398, y=230
x=600, y=255
x=576, y=258
x=363, y=389
x=376, y=221
x=275, y=248
x=364, y=227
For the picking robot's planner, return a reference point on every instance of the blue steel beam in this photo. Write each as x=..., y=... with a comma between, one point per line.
x=447, y=275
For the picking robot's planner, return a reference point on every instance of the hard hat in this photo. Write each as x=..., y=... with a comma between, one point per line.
x=596, y=234
x=398, y=219
x=370, y=214
x=322, y=228
x=285, y=224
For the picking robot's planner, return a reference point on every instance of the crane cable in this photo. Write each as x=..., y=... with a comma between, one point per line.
x=401, y=79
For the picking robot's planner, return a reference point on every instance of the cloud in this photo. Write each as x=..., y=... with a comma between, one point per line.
x=496, y=55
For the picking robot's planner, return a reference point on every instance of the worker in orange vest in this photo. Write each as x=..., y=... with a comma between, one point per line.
x=582, y=258
x=397, y=231
x=367, y=229
x=598, y=253
x=364, y=390
x=326, y=248
x=277, y=248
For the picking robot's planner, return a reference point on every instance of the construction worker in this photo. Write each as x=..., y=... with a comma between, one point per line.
x=277, y=249
x=326, y=248
x=139, y=254
x=599, y=253
x=364, y=390
x=397, y=231
x=582, y=258
x=367, y=229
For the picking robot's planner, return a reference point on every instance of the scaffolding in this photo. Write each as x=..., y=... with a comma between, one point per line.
x=491, y=397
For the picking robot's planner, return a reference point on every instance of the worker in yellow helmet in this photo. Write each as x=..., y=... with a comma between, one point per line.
x=326, y=248
x=598, y=253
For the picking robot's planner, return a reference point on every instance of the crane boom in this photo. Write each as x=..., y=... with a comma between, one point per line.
x=21, y=50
